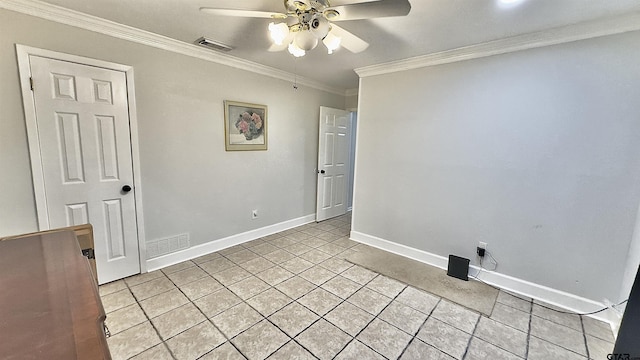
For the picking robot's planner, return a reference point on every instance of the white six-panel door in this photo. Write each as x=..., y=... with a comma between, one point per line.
x=333, y=163
x=82, y=119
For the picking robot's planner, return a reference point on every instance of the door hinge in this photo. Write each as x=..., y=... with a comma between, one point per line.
x=31, y=83
x=89, y=253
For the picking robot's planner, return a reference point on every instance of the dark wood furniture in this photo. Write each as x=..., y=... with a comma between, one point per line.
x=49, y=302
x=84, y=234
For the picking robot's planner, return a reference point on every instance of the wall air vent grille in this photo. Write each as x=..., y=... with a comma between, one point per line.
x=159, y=247
x=213, y=45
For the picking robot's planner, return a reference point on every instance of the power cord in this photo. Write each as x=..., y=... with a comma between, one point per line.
x=495, y=262
x=588, y=313
x=482, y=268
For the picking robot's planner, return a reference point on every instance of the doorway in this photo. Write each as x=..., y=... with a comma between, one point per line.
x=81, y=127
x=335, y=163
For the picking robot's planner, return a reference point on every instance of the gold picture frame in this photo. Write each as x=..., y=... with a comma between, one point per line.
x=245, y=126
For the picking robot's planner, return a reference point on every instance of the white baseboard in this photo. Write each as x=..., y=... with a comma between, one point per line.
x=555, y=297
x=219, y=244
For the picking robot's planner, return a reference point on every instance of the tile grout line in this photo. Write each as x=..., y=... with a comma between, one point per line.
x=320, y=286
x=320, y=317
x=466, y=350
x=242, y=300
x=453, y=326
x=369, y=323
x=211, y=320
x=151, y=322
x=301, y=296
x=290, y=341
x=500, y=346
x=267, y=317
x=584, y=336
x=553, y=343
x=598, y=336
x=532, y=315
x=420, y=328
x=526, y=352
x=513, y=308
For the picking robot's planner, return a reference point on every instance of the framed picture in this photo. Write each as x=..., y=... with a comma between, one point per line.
x=245, y=126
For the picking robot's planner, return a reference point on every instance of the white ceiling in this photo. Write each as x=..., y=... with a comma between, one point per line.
x=431, y=26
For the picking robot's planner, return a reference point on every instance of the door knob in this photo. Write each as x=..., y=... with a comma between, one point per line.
x=321, y=171
x=126, y=188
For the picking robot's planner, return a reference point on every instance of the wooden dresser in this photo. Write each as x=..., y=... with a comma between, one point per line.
x=49, y=302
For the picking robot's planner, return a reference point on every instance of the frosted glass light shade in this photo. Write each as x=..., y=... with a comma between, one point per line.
x=296, y=51
x=319, y=26
x=332, y=42
x=278, y=32
x=306, y=40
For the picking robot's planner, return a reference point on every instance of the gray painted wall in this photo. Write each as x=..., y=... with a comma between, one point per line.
x=351, y=103
x=191, y=185
x=536, y=153
x=352, y=156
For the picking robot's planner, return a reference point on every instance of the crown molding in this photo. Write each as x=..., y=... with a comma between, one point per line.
x=554, y=36
x=351, y=92
x=93, y=23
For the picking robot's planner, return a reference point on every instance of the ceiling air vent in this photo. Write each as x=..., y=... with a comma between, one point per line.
x=213, y=45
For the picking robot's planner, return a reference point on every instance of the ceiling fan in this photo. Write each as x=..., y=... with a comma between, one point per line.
x=307, y=22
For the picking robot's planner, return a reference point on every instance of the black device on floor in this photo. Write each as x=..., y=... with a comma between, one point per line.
x=458, y=267
x=627, y=344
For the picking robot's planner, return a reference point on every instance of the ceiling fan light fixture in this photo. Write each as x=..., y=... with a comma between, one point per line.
x=305, y=40
x=302, y=5
x=278, y=32
x=319, y=26
x=331, y=14
x=332, y=42
x=295, y=51
x=313, y=20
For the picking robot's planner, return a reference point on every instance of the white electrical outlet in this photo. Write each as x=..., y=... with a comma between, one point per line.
x=254, y=214
x=482, y=245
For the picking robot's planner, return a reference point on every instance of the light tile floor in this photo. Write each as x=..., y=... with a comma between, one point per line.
x=291, y=295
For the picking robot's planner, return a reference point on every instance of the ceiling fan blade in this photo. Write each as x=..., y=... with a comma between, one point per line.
x=372, y=9
x=244, y=13
x=349, y=41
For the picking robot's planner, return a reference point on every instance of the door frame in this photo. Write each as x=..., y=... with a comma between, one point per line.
x=349, y=169
x=37, y=171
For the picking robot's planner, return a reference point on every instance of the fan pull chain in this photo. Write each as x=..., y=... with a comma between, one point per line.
x=295, y=73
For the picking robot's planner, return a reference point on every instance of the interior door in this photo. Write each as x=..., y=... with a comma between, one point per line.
x=83, y=129
x=333, y=163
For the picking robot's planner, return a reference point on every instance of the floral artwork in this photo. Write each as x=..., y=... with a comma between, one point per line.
x=250, y=125
x=245, y=126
